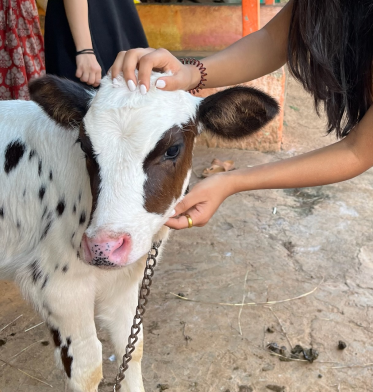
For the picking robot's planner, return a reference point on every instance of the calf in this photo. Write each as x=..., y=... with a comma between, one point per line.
x=88, y=180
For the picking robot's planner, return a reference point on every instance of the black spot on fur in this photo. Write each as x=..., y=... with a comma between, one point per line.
x=56, y=337
x=67, y=360
x=40, y=167
x=36, y=271
x=24, y=192
x=74, y=209
x=45, y=282
x=56, y=267
x=2, y=212
x=18, y=225
x=41, y=192
x=80, y=196
x=65, y=268
x=82, y=218
x=32, y=153
x=51, y=176
x=73, y=235
x=46, y=229
x=60, y=207
x=78, y=254
x=13, y=154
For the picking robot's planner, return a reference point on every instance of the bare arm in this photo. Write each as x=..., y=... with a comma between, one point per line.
x=249, y=58
x=338, y=162
x=88, y=69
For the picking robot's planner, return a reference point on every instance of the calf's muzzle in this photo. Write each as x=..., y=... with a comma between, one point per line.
x=107, y=251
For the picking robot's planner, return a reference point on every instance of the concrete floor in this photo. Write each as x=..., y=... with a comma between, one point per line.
x=318, y=238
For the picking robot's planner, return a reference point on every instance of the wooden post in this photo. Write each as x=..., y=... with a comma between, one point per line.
x=250, y=16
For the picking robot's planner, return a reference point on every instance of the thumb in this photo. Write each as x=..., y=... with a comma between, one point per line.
x=188, y=202
x=171, y=83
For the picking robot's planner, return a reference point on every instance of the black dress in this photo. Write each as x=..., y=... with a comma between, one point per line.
x=114, y=25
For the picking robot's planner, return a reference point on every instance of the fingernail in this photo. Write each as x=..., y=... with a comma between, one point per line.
x=173, y=212
x=160, y=84
x=131, y=85
x=142, y=89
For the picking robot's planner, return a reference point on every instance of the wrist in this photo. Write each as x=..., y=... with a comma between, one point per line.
x=239, y=181
x=195, y=76
x=83, y=45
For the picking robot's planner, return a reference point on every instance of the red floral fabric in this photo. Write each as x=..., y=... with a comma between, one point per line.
x=21, y=47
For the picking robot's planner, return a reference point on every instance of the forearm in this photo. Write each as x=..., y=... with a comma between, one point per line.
x=77, y=16
x=337, y=162
x=251, y=57
x=325, y=166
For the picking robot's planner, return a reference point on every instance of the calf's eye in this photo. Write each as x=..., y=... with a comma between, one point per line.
x=172, y=152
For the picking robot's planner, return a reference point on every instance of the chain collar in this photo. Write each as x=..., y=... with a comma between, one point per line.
x=144, y=291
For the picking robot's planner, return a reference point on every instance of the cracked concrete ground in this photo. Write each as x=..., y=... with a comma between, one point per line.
x=246, y=253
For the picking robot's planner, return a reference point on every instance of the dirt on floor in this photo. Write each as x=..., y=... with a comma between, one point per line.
x=310, y=251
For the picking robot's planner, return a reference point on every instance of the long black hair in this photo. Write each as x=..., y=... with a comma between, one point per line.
x=330, y=51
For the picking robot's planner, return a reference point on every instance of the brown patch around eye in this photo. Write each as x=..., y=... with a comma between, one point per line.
x=165, y=178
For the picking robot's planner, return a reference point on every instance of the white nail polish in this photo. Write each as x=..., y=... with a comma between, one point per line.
x=131, y=85
x=160, y=84
x=142, y=89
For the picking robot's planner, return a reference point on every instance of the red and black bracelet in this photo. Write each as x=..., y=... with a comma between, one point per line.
x=201, y=69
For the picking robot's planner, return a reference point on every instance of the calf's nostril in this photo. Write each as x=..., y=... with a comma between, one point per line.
x=119, y=247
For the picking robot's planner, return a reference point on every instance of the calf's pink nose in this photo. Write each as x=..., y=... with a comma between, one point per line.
x=108, y=251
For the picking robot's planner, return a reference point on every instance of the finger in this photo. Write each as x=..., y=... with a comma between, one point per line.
x=91, y=78
x=189, y=201
x=157, y=59
x=178, y=223
x=129, y=65
x=170, y=83
x=85, y=77
x=79, y=73
x=97, y=79
x=118, y=64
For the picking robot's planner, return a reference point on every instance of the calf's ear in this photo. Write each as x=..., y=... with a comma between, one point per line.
x=236, y=112
x=63, y=100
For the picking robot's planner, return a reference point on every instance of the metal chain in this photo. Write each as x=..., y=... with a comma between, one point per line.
x=151, y=262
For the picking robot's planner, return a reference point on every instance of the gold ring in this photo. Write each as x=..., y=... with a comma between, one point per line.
x=190, y=222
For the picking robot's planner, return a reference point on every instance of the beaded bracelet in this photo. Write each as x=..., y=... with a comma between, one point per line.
x=201, y=69
x=85, y=51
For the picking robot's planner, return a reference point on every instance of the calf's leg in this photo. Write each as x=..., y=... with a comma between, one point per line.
x=63, y=292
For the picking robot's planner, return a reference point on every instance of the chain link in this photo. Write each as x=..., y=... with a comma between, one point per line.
x=151, y=262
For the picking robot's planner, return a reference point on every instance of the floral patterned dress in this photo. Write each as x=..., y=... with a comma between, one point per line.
x=21, y=47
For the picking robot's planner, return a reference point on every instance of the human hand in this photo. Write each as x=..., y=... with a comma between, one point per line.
x=88, y=69
x=184, y=77
x=202, y=202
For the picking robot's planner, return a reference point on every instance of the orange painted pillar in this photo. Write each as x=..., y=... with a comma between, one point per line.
x=270, y=2
x=250, y=16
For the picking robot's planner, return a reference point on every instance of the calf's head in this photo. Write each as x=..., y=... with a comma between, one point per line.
x=139, y=152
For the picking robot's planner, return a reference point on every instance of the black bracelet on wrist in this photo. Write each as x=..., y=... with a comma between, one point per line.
x=85, y=51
